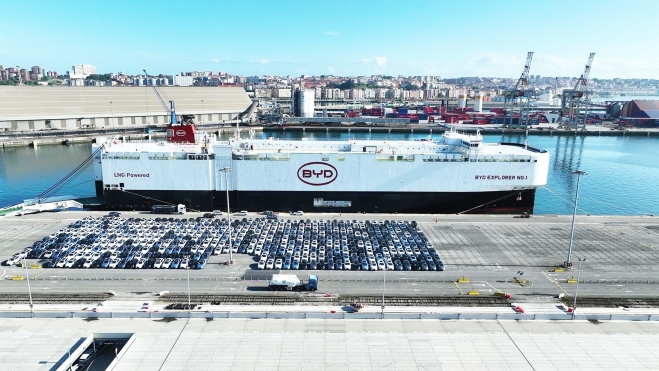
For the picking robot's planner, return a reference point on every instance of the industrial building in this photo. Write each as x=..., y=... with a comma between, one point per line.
x=641, y=113
x=29, y=108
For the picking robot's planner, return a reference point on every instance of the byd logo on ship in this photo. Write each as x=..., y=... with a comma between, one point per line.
x=180, y=133
x=317, y=173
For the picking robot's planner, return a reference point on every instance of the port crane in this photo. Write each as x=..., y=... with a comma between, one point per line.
x=573, y=100
x=517, y=92
x=171, y=111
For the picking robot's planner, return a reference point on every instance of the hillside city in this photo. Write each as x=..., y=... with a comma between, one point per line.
x=331, y=87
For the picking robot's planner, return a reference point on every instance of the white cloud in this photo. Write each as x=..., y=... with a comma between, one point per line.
x=263, y=61
x=331, y=33
x=215, y=60
x=365, y=60
x=381, y=61
x=495, y=59
x=330, y=69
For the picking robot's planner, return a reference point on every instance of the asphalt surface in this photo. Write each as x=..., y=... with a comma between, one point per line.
x=493, y=253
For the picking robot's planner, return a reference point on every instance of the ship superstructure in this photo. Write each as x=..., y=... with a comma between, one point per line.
x=458, y=173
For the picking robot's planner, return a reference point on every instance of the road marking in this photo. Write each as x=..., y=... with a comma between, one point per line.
x=552, y=280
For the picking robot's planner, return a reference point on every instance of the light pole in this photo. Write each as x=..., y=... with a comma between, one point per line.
x=574, y=306
x=226, y=171
x=112, y=110
x=384, y=283
x=579, y=173
x=187, y=268
x=29, y=291
x=202, y=111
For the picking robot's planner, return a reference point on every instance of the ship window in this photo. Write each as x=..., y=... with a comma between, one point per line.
x=121, y=185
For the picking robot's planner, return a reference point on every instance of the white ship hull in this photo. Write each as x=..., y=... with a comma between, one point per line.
x=350, y=176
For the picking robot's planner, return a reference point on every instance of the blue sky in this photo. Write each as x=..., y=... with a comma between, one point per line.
x=422, y=37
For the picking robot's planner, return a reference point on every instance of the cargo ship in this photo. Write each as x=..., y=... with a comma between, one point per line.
x=457, y=173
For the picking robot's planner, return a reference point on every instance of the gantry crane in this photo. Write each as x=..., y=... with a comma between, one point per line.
x=518, y=91
x=573, y=100
x=171, y=112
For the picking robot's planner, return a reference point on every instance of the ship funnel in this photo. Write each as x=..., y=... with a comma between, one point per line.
x=478, y=102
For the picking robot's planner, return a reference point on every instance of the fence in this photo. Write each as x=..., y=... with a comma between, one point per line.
x=342, y=315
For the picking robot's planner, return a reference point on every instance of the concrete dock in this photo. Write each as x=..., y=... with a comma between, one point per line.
x=483, y=255
x=322, y=344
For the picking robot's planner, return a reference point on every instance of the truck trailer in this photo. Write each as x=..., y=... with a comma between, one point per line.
x=290, y=282
x=168, y=209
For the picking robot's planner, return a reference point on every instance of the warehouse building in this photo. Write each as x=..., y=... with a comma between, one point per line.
x=30, y=108
x=640, y=113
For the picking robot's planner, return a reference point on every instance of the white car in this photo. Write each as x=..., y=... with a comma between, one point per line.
x=167, y=263
x=270, y=264
x=218, y=212
x=140, y=263
x=241, y=213
x=88, y=263
x=297, y=213
x=158, y=263
x=278, y=264
x=184, y=263
x=13, y=260
x=114, y=262
x=261, y=264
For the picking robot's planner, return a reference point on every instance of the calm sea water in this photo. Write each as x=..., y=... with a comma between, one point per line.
x=623, y=172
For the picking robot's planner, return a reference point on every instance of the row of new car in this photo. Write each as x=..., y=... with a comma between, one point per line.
x=115, y=242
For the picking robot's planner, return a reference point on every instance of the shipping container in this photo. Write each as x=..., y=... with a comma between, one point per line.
x=402, y=110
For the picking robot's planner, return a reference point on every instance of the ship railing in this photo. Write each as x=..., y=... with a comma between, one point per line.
x=339, y=140
x=279, y=156
x=399, y=157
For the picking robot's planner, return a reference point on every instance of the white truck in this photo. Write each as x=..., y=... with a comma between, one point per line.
x=168, y=209
x=291, y=282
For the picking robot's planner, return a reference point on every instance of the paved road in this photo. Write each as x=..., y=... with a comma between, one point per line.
x=491, y=251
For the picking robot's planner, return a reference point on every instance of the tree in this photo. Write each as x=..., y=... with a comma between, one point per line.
x=97, y=77
x=348, y=84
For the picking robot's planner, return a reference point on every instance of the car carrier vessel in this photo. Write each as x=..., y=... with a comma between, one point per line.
x=455, y=174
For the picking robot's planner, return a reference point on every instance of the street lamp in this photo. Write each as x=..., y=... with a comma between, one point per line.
x=384, y=282
x=112, y=110
x=187, y=268
x=29, y=291
x=202, y=111
x=579, y=173
x=574, y=306
x=226, y=171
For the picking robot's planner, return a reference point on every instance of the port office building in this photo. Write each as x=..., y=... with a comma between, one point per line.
x=33, y=108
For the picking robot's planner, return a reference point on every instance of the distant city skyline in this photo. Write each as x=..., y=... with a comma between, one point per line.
x=437, y=38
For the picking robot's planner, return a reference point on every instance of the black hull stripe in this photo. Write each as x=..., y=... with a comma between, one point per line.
x=502, y=202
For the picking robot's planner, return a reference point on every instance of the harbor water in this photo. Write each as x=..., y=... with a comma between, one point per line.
x=622, y=172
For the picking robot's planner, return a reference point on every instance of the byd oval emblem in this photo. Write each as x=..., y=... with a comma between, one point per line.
x=180, y=133
x=317, y=173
